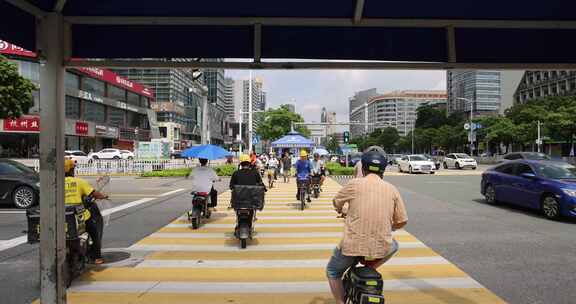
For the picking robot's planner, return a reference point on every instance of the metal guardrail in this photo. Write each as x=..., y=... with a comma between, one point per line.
x=126, y=166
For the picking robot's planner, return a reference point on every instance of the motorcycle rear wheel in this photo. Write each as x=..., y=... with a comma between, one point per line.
x=195, y=222
x=243, y=243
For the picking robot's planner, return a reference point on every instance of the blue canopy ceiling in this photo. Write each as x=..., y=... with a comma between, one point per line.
x=488, y=31
x=293, y=140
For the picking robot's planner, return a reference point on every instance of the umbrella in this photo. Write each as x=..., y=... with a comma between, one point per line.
x=321, y=151
x=209, y=152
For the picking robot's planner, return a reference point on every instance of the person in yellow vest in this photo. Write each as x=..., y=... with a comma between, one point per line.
x=75, y=192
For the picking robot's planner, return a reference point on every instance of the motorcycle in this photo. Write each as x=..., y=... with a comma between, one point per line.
x=200, y=209
x=302, y=191
x=245, y=201
x=77, y=239
x=363, y=285
x=316, y=186
x=271, y=177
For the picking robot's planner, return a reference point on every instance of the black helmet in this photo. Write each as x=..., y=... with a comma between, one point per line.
x=374, y=162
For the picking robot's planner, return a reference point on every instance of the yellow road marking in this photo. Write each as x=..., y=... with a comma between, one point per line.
x=389, y=272
x=255, y=242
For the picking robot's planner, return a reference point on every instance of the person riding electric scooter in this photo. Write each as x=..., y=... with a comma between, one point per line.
x=303, y=171
x=247, y=197
x=318, y=174
x=375, y=209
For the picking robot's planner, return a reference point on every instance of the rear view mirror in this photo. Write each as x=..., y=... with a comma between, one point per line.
x=528, y=175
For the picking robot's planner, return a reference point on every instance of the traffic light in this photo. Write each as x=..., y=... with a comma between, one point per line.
x=346, y=137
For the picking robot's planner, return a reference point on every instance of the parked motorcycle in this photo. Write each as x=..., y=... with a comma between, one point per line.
x=77, y=239
x=200, y=209
x=245, y=201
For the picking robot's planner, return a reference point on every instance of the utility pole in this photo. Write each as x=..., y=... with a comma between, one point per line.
x=539, y=141
x=366, y=118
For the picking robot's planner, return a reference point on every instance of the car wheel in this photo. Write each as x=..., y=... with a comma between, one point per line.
x=130, y=157
x=432, y=172
x=445, y=166
x=473, y=168
x=399, y=169
x=490, y=195
x=116, y=157
x=410, y=170
x=550, y=207
x=94, y=157
x=24, y=197
x=457, y=165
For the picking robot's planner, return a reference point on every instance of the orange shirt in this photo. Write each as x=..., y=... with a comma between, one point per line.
x=374, y=205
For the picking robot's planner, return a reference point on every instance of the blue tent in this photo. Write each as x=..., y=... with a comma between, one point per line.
x=293, y=140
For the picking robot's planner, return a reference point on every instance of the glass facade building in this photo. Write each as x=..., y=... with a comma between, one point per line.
x=484, y=88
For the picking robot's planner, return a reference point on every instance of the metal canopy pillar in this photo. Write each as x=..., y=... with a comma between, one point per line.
x=51, y=43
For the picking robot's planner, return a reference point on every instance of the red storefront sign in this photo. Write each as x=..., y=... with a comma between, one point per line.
x=22, y=124
x=81, y=128
x=11, y=49
x=111, y=77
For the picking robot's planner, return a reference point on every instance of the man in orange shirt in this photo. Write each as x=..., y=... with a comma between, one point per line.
x=375, y=209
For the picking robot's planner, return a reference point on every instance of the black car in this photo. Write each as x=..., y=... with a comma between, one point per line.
x=19, y=185
x=526, y=156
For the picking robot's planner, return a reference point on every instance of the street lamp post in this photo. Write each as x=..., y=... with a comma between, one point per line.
x=471, y=136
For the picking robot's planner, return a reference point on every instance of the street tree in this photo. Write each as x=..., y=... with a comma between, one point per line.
x=429, y=117
x=277, y=123
x=388, y=139
x=16, y=91
x=332, y=144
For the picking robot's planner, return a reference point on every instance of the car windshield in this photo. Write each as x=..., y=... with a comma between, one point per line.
x=556, y=171
x=418, y=157
x=536, y=156
x=461, y=155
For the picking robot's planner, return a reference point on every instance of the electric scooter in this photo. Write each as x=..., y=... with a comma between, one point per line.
x=200, y=209
x=245, y=201
x=316, y=186
x=363, y=285
x=77, y=239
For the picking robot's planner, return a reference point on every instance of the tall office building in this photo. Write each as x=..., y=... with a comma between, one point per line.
x=541, y=84
x=328, y=117
x=492, y=92
x=395, y=109
x=215, y=81
x=178, y=102
x=357, y=102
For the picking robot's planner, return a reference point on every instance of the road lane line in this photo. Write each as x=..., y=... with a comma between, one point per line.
x=235, y=247
x=172, y=192
x=262, y=287
x=219, y=235
x=7, y=244
x=312, y=263
x=310, y=225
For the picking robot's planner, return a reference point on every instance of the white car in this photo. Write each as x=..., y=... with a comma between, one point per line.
x=127, y=154
x=459, y=161
x=416, y=163
x=76, y=155
x=106, y=154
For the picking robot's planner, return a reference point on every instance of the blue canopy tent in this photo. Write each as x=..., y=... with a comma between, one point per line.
x=293, y=140
x=418, y=34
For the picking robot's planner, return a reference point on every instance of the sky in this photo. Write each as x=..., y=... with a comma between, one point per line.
x=310, y=90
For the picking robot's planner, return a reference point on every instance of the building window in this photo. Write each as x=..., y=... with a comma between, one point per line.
x=92, y=85
x=94, y=112
x=117, y=117
x=116, y=93
x=72, y=107
x=29, y=70
x=72, y=81
x=134, y=99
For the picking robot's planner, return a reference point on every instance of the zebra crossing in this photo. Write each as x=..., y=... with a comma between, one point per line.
x=284, y=263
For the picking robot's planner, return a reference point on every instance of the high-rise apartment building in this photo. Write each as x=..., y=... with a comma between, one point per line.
x=540, y=84
x=215, y=81
x=258, y=100
x=229, y=99
x=488, y=92
x=395, y=109
x=329, y=118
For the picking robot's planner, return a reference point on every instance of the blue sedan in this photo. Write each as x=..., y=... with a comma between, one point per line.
x=542, y=185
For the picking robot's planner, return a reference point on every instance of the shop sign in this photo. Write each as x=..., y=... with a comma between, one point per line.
x=22, y=124
x=81, y=128
x=89, y=96
x=111, y=77
x=105, y=131
x=11, y=49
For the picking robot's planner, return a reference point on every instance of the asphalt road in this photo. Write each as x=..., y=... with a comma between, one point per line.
x=516, y=253
x=169, y=199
